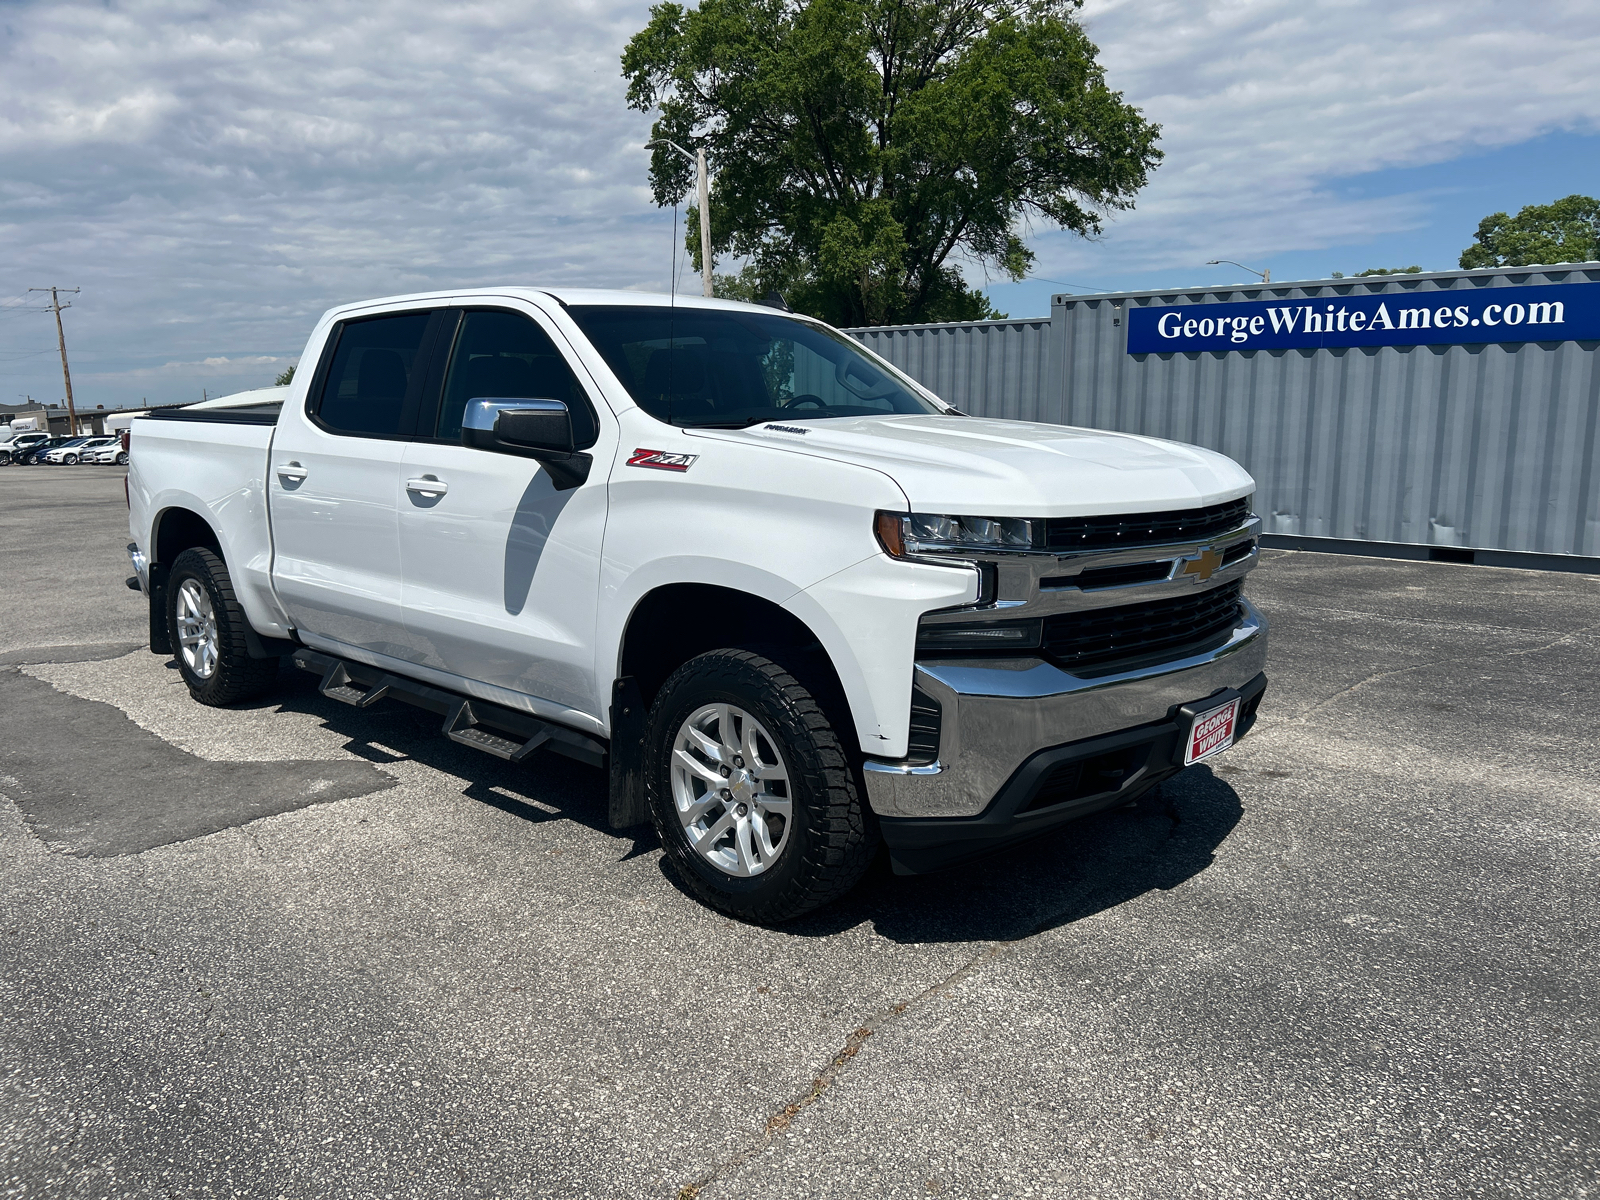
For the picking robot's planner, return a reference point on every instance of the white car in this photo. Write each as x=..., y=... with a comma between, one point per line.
x=794, y=603
x=112, y=454
x=78, y=450
x=19, y=443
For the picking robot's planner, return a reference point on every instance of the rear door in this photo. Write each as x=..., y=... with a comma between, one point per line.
x=502, y=567
x=335, y=483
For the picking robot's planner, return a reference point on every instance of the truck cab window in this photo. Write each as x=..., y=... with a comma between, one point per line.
x=503, y=354
x=371, y=373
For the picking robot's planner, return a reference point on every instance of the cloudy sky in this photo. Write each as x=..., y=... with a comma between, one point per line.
x=213, y=176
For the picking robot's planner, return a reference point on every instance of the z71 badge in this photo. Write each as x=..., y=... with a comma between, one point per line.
x=661, y=460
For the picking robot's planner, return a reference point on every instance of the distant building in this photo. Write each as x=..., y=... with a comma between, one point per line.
x=54, y=418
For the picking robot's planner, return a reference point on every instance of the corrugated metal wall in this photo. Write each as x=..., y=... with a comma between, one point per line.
x=997, y=368
x=1488, y=446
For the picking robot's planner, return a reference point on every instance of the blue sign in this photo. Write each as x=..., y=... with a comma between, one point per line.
x=1552, y=313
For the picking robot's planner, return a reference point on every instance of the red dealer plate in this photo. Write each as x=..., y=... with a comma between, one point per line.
x=1212, y=732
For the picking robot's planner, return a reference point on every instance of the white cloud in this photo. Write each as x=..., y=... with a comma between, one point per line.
x=215, y=175
x=1264, y=102
x=218, y=366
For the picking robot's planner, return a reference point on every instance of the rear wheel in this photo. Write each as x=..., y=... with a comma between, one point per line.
x=205, y=625
x=751, y=790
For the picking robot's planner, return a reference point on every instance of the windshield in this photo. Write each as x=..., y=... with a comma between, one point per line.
x=696, y=366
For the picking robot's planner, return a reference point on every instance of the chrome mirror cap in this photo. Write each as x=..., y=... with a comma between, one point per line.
x=483, y=411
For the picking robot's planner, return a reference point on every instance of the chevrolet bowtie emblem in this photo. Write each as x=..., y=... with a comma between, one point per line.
x=1204, y=566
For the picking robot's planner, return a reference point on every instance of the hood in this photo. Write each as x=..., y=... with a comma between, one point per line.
x=976, y=466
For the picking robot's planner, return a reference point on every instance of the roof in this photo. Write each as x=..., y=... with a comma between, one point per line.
x=564, y=295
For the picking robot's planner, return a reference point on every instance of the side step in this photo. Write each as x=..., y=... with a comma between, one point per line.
x=461, y=725
x=493, y=728
x=337, y=685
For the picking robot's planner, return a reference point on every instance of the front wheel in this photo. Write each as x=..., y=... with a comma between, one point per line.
x=205, y=626
x=70, y=459
x=752, y=791
x=122, y=458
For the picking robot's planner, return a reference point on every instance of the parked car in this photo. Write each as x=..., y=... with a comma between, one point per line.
x=794, y=603
x=35, y=456
x=113, y=453
x=71, y=453
x=20, y=444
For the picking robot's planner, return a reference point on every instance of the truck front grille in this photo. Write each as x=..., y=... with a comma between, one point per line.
x=1102, y=638
x=1114, y=532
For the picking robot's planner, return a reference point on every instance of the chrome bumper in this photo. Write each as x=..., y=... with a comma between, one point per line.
x=996, y=713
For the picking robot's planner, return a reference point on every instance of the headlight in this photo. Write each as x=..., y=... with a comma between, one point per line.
x=909, y=535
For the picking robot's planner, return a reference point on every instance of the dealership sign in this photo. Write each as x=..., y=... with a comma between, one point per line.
x=1560, y=312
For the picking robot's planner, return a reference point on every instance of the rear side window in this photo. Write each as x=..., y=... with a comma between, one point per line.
x=504, y=355
x=372, y=373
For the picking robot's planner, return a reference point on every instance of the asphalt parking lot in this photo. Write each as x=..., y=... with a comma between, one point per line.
x=301, y=950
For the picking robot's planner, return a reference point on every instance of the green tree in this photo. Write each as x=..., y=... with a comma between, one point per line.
x=285, y=379
x=1379, y=271
x=1566, y=231
x=862, y=148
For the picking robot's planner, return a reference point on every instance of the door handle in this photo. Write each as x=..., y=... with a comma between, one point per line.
x=427, y=486
x=293, y=472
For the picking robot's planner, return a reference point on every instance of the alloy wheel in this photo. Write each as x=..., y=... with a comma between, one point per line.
x=731, y=790
x=197, y=629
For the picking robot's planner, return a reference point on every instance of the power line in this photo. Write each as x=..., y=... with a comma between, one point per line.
x=61, y=341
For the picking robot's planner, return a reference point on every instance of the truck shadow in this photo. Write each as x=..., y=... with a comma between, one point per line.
x=1162, y=840
x=547, y=787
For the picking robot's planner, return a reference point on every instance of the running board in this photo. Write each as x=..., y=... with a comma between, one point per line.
x=492, y=728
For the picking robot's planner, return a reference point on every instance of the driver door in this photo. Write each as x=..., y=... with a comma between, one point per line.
x=500, y=566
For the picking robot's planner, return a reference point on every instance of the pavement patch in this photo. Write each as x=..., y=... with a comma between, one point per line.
x=85, y=652
x=88, y=781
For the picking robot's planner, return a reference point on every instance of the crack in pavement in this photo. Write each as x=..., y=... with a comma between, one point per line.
x=828, y=1074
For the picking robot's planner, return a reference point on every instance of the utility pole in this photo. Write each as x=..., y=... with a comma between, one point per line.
x=61, y=341
x=703, y=189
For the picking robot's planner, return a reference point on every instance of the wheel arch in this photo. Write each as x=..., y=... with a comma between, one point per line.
x=674, y=622
x=176, y=529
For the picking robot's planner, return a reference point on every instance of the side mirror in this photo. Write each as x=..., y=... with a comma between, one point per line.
x=540, y=429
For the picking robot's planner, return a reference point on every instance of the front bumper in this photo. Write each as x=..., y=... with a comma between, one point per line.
x=1012, y=729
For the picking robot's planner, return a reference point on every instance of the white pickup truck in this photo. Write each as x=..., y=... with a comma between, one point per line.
x=794, y=603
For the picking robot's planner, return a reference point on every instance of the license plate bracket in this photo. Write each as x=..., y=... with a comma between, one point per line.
x=1209, y=726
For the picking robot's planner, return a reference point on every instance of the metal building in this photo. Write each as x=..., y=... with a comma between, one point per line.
x=1457, y=410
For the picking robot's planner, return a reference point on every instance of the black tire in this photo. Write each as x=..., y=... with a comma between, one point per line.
x=832, y=838
x=122, y=458
x=236, y=675
x=5, y=458
x=70, y=460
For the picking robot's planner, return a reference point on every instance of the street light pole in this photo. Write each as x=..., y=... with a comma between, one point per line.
x=705, y=221
x=703, y=191
x=1266, y=276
